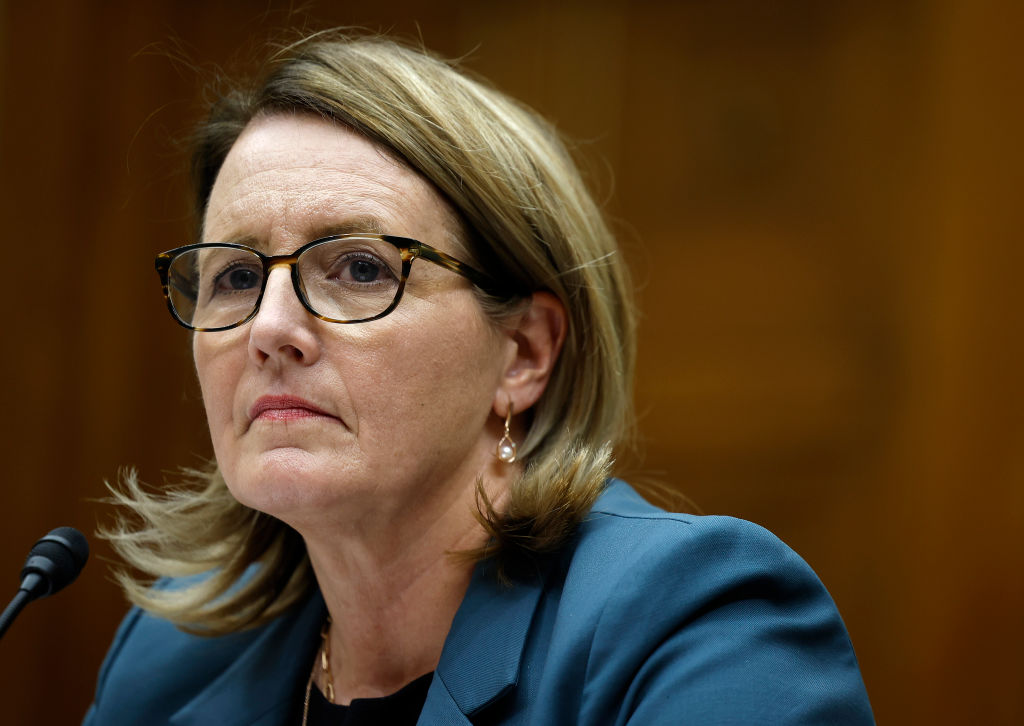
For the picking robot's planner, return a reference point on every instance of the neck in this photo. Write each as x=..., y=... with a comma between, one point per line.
x=392, y=598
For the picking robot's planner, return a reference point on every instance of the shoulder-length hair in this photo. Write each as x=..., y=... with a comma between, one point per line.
x=529, y=220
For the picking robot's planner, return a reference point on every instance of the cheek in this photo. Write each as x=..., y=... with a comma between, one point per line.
x=215, y=370
x=440, y=368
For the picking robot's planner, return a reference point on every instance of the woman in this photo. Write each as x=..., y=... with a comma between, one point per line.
x=415, y=348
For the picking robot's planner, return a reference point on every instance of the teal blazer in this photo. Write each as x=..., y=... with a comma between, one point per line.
x=645, y=617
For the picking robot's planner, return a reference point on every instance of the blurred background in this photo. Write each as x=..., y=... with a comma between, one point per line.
x=819, y=204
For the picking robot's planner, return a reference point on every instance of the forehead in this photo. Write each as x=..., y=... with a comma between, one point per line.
x=292, y=178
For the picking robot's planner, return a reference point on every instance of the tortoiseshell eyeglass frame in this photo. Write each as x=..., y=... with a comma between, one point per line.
x=410, y=250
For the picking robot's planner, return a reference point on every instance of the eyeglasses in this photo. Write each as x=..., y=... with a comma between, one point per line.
x=347, y=278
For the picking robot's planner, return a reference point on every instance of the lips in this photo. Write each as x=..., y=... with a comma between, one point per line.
x=284, y=408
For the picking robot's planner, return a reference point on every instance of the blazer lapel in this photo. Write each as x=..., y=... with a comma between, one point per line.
x=483, y=650
x=262, y=686
x=440, y=709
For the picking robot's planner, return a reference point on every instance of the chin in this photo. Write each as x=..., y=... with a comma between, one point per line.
x=294, y=486
x=276, y=488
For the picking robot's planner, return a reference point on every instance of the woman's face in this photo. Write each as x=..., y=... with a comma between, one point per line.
x=310, y=418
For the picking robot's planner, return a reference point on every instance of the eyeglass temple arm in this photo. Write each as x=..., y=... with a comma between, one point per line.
x=485, y=282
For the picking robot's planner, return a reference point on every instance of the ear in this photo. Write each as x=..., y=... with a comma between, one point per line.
x=537, y=335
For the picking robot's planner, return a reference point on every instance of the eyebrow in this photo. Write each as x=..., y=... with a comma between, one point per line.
x=353, y=225
x=350, y=226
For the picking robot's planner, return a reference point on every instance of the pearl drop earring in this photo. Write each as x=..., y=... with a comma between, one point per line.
x=506, y=451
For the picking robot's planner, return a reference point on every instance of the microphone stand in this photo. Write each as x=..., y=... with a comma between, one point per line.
x=24, y=596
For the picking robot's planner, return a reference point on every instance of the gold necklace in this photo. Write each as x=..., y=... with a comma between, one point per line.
x=325, y=668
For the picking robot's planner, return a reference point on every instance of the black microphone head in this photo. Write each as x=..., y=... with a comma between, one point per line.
x=57, y=559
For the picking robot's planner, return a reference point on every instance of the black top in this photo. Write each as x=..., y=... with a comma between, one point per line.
x=399, y=709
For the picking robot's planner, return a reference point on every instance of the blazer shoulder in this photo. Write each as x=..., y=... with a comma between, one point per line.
x=156, y=673
x=692, y=560
x=173, y=665
x=716, y=604
x=622, y=519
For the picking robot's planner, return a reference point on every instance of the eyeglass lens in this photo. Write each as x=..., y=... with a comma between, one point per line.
x=345, y=280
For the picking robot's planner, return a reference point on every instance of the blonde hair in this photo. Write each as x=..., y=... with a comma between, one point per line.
x=530, y=222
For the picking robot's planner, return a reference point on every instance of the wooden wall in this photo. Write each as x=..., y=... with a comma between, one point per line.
x=819, y=201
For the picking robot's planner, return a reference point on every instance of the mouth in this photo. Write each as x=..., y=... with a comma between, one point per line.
x=285, y=408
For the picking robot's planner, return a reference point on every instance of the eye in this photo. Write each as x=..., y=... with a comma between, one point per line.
x=362, y=268
x=237, y=277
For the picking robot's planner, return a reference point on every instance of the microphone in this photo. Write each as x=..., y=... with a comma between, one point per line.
x=53, y=563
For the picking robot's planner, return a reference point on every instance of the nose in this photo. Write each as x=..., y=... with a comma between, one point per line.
x=283, y=330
